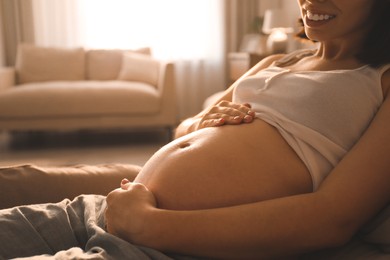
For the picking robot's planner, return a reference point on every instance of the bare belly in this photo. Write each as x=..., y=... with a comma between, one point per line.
x=225, y=166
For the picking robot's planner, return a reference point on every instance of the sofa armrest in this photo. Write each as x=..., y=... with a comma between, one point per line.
x=165, y=76
x=7, y=77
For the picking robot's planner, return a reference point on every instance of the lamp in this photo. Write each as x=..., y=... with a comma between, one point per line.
x=277, y=26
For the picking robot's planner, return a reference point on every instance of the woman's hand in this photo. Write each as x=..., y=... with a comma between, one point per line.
x=226, y=113
x=223, y=113
x=126, y=210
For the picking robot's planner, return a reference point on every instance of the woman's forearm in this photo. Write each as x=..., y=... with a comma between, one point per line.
x=272, y=228
x=187, y=126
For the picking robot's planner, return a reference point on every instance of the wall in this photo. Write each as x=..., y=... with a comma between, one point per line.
x=2, y=54
x=290, y=5
x=268, y=4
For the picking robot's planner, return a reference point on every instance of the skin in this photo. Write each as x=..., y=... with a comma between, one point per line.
x=354, y=192
x=186, y=174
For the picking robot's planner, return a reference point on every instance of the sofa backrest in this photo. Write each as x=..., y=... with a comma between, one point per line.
x=104, y=64
x=38, y=64
x=35, y=64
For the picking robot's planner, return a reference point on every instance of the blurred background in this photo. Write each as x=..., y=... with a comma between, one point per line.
x=197, y=34
x=212, y=43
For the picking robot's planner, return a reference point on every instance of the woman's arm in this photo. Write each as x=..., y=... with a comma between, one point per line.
x=212, y=116
x=352, y=194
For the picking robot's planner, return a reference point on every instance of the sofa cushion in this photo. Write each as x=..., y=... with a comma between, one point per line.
x=106, y=64
x=138, y=67
x=38, y=64
x=79, y=98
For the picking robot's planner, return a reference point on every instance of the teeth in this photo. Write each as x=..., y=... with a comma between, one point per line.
x=318, y=17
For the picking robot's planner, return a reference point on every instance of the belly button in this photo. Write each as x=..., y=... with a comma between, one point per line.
x=184, y=145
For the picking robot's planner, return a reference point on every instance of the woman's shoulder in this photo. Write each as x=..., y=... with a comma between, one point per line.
x=386, y=82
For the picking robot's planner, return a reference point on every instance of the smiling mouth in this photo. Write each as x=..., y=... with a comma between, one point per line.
x=319, y=17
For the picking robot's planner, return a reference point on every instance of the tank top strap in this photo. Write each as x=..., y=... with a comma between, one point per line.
x=383, y=69
x=294, y=56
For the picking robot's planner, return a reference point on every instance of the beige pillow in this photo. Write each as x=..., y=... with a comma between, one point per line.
x=139, y=67
x=34, y=64
x=105, y=64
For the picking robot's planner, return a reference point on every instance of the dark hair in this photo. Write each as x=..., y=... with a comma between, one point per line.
x=376, y=47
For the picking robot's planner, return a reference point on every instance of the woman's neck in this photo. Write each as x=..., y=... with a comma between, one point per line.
x=341, y=49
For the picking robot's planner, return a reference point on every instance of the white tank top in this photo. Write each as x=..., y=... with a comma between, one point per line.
x=321, y=114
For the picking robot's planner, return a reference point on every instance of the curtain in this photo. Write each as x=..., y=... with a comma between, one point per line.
x=2, y=48
x=239, y=20
x=16, y=20
x=56, y=23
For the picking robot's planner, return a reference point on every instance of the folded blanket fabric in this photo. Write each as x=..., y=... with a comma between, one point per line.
x=30, y=184
x=66, y=230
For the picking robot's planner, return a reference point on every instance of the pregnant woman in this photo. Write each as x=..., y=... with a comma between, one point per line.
x=228, y=187
x=292, y=159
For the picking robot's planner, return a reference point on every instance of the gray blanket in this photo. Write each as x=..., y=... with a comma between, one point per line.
x=65, y=230
x=75, y=230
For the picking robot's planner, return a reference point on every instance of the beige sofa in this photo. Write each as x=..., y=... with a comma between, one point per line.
x=73, y=89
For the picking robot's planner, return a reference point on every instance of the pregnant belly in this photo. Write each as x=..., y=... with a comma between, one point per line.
x=225, y=166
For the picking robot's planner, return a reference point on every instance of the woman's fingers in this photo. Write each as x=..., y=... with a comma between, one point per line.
x=227, y=113
x=125, y=183
x=236, y=112
x=211, y=122
x=125, y=210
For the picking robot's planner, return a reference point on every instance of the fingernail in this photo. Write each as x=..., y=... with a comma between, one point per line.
x=220, y=121
x=248, y=118
x=124, y=181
